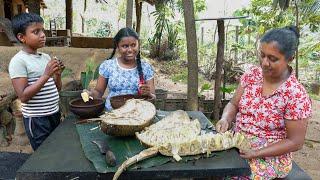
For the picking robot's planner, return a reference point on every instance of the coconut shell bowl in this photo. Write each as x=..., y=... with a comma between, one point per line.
x=85, y=110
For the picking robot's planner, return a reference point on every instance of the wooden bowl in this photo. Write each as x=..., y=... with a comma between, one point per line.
x=90, y=109
x=118, y=101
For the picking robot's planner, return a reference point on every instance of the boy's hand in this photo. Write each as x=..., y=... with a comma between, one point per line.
x=51, y=68
x=61, y=66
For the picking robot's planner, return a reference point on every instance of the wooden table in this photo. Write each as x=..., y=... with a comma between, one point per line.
x=61, y=157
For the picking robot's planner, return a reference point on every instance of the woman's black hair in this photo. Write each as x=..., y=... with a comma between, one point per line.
x=127, y=32
x=22, y=21
x=287, y=39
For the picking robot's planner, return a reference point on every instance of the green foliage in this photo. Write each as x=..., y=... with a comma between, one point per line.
x=264, y=17
x=205, y=86
x=66, y=72
x=199, y=6
x=90, y=73
x=314, y=96
x=121, y=9
x=181, y=77
x=168, y=41
x=228, y=89
x=104, y=30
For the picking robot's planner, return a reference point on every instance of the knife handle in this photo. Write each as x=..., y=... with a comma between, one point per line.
x=110, y=158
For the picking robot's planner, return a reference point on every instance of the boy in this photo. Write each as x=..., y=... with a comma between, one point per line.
x=36, y=79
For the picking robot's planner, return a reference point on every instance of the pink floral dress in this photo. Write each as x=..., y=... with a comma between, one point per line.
x=262, y=119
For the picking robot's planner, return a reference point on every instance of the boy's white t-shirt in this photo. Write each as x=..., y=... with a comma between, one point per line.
x=32, y=67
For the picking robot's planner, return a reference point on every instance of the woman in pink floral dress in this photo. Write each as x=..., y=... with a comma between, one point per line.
x=270, y=107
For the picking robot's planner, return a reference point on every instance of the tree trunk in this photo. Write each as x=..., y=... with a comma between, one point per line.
x=219, y=66
x=69, y=15
x=192, y=56
x=34, y=6
x=82, y=16
x=138, y=15
x=129, y=13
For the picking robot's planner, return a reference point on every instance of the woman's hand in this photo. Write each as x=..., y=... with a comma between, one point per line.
x=145, y=89
x=222, y=125
x=86, y=95
x=248, y=153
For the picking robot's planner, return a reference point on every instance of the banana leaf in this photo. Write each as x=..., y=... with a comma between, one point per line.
x=123, y=148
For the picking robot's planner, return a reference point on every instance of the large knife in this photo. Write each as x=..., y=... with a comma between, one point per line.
x=105, y=149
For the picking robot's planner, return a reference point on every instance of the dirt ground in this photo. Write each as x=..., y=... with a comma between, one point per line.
x=308, y=158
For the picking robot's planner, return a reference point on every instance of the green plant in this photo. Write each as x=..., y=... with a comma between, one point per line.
x=205, y=86
x=104, y=30
x=228, y=89
x=181, y=77
x=66, y=72
x=314, y=96
x=88, y=75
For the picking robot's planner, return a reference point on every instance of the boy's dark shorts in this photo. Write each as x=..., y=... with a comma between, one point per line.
x=39, y=128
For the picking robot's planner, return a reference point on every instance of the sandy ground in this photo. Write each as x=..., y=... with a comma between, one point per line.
x=308, y=157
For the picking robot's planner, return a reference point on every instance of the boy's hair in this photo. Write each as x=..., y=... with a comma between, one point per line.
x=22, y=21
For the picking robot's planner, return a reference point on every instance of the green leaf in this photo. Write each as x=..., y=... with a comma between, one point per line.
x=83, y=79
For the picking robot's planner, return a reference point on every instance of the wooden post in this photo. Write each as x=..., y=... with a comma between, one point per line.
x=138, y=15
x=215, y=32
x=129, y=13
x=237, y=41
x=69, y=15
x=202, y=34
x=192, y=102
x=219, y=65
x=2, y=14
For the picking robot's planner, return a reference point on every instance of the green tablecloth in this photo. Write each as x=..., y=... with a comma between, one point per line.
x=122, y=147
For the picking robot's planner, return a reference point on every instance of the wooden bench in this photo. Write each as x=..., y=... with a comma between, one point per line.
x=297, y=173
